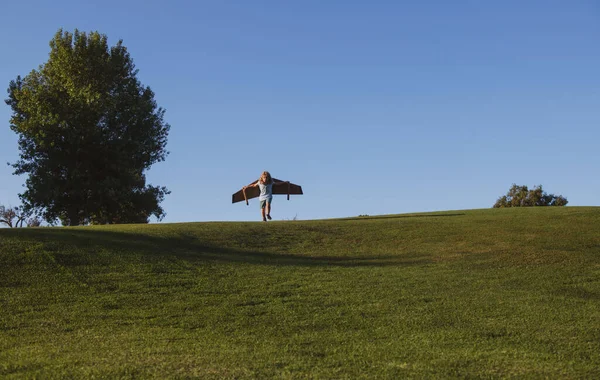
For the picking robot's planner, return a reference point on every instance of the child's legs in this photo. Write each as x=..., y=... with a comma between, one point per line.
x=268, y=206
x=263, y=206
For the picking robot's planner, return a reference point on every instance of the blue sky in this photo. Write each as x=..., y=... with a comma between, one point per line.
x=373, y=107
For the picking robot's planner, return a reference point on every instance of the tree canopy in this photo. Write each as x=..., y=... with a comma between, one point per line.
x=521, y=196
x=88, y=130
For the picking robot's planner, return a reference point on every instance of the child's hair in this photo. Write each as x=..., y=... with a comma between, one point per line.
x=268, y=178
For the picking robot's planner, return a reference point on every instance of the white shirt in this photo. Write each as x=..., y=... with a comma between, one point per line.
x=266, y=191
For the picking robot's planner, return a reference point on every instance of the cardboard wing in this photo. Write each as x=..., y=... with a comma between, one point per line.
x=278, y=188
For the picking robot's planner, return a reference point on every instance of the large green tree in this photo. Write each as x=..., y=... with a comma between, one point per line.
x=88, y=130
x=521, y=196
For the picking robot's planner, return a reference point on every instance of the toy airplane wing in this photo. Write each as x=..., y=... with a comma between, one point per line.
x=278, y=188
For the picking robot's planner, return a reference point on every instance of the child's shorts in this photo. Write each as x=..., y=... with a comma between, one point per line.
x=264, y=202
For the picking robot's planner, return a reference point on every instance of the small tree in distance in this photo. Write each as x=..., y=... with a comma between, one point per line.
x=16, y=216
x=8, y=216
x=521, y=196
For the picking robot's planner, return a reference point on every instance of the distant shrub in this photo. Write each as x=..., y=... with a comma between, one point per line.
x=521, y=196
x=34, y=222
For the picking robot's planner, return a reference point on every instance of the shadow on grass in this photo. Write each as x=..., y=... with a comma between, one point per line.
x=65, y=243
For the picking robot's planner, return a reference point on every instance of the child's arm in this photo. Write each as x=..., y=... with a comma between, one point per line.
x=252, y=184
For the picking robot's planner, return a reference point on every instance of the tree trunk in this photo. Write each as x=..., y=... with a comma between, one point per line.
x=74, y=218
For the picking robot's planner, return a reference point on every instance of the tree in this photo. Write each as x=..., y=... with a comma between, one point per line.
x=7, y=216
x=88, y=130
x=16, y=216
x=521, y=196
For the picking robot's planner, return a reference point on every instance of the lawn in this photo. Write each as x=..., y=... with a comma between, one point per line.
x=492, y=293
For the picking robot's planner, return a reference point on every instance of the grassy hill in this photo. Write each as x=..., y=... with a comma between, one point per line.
x=477, y=293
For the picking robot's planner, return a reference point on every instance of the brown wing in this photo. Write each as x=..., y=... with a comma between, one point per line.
x=287, y=188
x=251, y=192
x=278, y=188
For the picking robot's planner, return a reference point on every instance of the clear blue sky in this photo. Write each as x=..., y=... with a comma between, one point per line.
x=374, y=107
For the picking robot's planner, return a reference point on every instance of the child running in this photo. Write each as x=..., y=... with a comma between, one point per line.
x=265, y=184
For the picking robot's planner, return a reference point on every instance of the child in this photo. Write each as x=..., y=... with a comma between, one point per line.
x=265, y=184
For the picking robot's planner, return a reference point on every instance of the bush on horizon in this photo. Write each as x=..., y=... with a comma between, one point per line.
x=521, y=196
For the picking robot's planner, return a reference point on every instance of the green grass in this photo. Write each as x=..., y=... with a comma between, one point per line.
x=494, y=293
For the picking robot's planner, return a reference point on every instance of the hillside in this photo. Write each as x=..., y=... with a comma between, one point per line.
x=471, y=293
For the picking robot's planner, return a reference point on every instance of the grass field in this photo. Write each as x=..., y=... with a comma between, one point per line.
x=492, y=293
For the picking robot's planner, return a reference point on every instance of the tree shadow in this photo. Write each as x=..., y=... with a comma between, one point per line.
x=64, y=242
